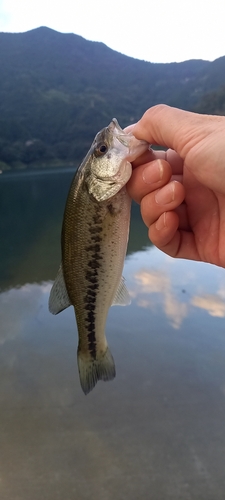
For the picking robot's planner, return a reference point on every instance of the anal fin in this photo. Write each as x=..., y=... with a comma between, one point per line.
x=122, y=296
x=59, y=298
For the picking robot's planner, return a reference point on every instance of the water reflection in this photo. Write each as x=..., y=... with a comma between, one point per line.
x=214, y=304
x=31, y=210
x=176, y=301
x=151, y=284
x=159, y=427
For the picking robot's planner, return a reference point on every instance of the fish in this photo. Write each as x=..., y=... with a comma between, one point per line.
x=94, y=241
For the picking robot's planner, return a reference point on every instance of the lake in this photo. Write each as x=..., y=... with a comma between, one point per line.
x=157, y=431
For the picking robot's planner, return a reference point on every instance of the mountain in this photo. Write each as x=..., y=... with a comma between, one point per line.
x=212, y=103
x=57, y=90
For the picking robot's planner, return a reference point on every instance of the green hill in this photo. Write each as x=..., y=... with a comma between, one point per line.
x=212, y=103
x=57, y=90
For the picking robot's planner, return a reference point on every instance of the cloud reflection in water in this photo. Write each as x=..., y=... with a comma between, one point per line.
x=177, y=286
x=156, y=282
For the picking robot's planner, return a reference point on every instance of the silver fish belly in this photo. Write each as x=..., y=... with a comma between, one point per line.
x=94, y=243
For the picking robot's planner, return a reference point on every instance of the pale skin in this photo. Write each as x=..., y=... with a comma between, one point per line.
x=182, y=191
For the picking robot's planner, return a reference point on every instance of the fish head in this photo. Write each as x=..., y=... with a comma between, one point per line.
x=111, y=155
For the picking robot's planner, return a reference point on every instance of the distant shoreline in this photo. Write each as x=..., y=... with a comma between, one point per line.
x=10, y=174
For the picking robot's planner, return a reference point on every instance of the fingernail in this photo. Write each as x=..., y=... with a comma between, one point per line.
x=153, y=172
x=165, y=195
x=161, y=222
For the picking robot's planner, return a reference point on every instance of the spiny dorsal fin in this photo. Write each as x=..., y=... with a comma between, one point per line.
x=59, y=298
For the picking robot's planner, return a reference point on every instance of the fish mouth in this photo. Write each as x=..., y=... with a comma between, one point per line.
x=115, y=125
x=135, y=146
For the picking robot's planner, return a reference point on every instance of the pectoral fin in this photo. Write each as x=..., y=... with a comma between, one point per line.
x=122, y=297
x=59, y=298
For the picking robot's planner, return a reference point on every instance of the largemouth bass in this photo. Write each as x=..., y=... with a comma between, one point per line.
x=94, y=243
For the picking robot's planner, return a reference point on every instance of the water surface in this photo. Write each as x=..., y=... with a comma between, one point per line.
x=158, y=430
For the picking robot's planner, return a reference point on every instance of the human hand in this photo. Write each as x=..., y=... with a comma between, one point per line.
x=182, y=191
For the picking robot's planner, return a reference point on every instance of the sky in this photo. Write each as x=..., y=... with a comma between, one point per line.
x=156, y=31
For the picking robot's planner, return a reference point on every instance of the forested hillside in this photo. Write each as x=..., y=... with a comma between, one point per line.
x=57, y=90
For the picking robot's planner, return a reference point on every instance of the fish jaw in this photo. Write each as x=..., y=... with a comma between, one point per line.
x=104, y=189
x=110, y=172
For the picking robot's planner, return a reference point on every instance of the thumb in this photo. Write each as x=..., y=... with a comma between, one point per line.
x=170, y=127
x=198, y=139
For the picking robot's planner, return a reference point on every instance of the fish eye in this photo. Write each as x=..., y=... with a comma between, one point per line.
x=101, y=149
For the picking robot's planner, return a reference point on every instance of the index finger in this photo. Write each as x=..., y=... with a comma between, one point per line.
x=170, y=155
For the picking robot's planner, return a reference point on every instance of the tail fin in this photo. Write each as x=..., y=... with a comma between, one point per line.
x=92, y=370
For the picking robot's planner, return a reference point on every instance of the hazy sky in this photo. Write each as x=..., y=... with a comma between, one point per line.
x=157, y=31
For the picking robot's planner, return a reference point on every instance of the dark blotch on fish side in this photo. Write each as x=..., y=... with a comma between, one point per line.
x=90, y=293
x=93, y=263
x=89, y=327
x=90, y=319
x=95, y=247
x=90, y=306
x=93, y=280
x=94, y=230
x=91, y=276
x=97, y=219
x=94, y=286
x=96, y=239
x=111, y=209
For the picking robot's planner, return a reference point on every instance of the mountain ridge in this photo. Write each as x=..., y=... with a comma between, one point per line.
x=58, y=89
